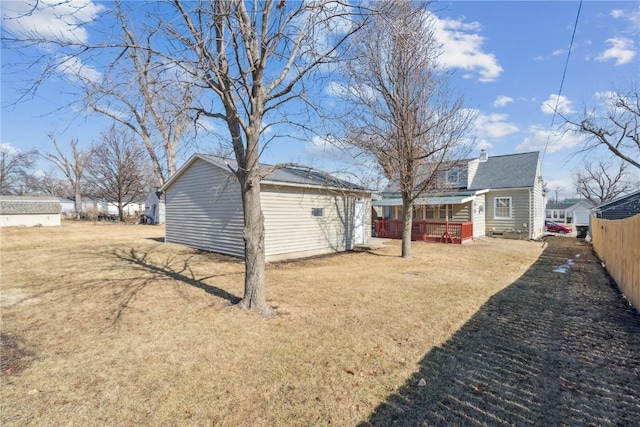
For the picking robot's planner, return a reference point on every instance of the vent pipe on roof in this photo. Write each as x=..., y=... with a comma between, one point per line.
x=483, y=155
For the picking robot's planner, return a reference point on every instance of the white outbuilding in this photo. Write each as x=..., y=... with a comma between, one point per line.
x=29, y=211
x=306, y=212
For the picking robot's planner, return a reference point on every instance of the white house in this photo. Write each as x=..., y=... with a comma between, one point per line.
x=306, y=212
x=566, y=212
x=29, y=211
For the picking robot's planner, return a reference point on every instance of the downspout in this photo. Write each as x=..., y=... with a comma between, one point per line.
x=530, y=215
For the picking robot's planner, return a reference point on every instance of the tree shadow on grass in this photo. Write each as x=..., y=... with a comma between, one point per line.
x=164, y=270
x=551, y=349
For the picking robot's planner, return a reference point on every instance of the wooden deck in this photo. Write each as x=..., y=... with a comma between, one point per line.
x=443, y=232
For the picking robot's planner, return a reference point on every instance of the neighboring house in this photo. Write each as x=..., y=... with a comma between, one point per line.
x=154, y=207
x=29, y=211
x=621, y=208
x=497, y=195
x=566, y=212
x=67, y=205
x=305, y=212
x=557, y=211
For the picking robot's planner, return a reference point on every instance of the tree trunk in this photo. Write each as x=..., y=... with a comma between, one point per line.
x=77, y=204
x=407, y=206
x=254, y=255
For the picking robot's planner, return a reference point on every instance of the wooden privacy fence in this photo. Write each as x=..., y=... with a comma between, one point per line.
x=617, y=243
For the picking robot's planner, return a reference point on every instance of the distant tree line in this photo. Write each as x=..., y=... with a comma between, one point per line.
x=115, y=169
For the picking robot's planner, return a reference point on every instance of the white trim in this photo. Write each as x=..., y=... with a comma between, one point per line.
x=495, y=201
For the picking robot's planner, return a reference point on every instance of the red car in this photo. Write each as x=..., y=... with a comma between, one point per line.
x=556, y=228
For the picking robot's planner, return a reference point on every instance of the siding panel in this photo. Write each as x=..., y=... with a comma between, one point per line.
x=204, y=210
x=290, y=228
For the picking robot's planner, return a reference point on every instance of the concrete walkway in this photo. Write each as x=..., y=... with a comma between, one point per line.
x=556, y=348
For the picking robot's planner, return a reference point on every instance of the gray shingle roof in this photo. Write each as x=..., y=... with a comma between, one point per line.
x=553, y=205
x=290, y=175
x=22, y=205
x=509, y=171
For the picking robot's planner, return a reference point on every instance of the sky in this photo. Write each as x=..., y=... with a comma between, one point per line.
x=507, y=58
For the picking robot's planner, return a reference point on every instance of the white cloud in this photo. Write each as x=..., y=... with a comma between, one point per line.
x=539, y=138
x=344, y=91
x=74, y=67
x=462, y=48
x=502, y=101
x=483, y=144
x=51, y=19
x=325, y=146
x=617, y=13
x=562, y=103
x=493, y=126
x=622, y=50
x=559, y=52
x=8, y=149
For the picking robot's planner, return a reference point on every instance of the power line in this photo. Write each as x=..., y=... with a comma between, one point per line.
x=564, y=73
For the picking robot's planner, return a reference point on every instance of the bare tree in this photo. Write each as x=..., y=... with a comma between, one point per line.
x=15, y=167
x=46, y=182
x=401, y=110
x=251, y=57
x=148, y=94
x=603, y=181
x=248, y=61
x=617, y=129
x=73, y=168
x=116, y=171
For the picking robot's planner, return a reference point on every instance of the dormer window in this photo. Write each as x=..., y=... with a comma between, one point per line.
x=453, y=176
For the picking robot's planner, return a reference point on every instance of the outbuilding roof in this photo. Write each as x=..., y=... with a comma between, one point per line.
x=303, y=176
x=24, y=205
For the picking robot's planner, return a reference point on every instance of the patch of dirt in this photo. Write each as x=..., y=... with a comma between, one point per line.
x=9, y=297
x=14, y=355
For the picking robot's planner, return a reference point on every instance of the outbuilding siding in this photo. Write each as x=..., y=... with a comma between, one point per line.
x=204, y=210
x=290, y=227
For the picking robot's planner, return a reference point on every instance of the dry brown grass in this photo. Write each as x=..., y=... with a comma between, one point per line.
x=108, y=325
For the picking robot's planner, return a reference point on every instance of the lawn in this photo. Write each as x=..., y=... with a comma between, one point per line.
x=105, y=324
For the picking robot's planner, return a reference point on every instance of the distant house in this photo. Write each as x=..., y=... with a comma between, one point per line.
x=565, y=212
x=621, y=208
x=67, y=205
x=155, y=207
x=306, y=212
x=29, y=211
x=489, y=195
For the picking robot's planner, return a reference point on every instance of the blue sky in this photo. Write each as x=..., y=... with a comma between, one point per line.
x=507, y=59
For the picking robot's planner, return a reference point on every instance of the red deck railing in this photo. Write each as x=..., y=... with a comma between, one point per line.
x=445, y=232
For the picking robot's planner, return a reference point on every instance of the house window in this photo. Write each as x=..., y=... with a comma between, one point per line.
x=502, y=208
x=453, y=176
x=318, y=212
x=444, y=211
x=429, y=214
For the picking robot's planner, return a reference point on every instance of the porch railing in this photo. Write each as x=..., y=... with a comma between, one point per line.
x=445, y=232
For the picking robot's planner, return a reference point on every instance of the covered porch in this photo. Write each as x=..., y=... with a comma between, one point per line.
x=444, y=219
